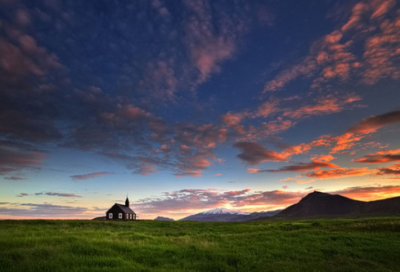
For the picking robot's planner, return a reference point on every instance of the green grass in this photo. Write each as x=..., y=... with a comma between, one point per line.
x=307, y=245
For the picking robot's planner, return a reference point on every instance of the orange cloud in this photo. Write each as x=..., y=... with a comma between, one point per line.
x=391, y=170
x=340, y=173
x=326, y=158
x=253, y=153
x=301, y=167
x=369, y=193
x=371, y=124
x=345, y=141
x=217, y=175
x=381, y=157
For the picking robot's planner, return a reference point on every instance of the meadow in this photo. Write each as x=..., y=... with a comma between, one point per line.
x=306, y=245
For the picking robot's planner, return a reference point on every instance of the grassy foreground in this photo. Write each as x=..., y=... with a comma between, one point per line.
x=308, y=245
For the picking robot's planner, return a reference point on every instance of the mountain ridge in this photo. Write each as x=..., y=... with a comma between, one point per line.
x=323, y=205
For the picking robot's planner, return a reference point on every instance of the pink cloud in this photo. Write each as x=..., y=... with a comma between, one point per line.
x=14, y=157
x=324, y=105
x=232, y=119
x=217, y=175
x=334, y=56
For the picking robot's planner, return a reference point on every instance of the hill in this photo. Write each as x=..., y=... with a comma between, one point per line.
x=323, y=205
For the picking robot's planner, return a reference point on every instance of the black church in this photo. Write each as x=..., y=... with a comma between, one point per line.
x=121, y=212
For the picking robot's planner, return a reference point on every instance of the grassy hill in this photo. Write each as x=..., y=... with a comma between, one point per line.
x=306, y=245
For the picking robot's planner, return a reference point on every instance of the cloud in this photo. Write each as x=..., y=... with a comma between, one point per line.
x=22, y=194
x=326, y=158
x=232, y=119
x=14, y=178
x=253, y=153
x=301, y=166
x=14, y=157
x=391, y=170
x=334, y=56
x=57, y=194
x=381, y=156
x=298, y=181
x=268, y=108
x=325, y=105
x=89, y=176
x=374, y=123
x=194, y=165
x=44, y=211
x=28, y=127
x=345, y=141
x=340, y=173
x=217, y=175
x=209, y=46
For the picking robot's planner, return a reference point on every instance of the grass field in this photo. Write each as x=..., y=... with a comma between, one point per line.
x=308, y=245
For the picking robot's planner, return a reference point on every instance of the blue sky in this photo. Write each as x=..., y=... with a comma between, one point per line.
x=192, y=105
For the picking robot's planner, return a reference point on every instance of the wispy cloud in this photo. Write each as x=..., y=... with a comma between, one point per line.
x=298, y=167
x=381, y=157
x=340, y=173
x=89, y=176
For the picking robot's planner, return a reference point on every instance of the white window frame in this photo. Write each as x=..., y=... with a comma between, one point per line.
x=126, y=216
x=130, y=216
x=134, y=217
x=120, y=216
x=110, y=216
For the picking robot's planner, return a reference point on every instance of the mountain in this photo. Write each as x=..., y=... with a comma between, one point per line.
x=225, y=215
x=160, y=218
x=322, y=205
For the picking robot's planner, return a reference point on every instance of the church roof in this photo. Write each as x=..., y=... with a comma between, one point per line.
x=124, y=208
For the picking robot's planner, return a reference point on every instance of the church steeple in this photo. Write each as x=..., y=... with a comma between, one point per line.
x=127, y=201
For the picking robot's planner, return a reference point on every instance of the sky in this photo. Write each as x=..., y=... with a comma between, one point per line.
x=190, y=105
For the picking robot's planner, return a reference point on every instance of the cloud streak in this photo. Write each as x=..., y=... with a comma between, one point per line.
x=89, y=176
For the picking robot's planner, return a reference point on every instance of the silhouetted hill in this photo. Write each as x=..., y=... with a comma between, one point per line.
x=320, y=205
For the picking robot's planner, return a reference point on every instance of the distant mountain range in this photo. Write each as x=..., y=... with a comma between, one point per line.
x=314, y=205
x=323, y=205
x=225, y=215
x=160, y=218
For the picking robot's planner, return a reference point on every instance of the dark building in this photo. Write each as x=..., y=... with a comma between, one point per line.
x=121, y=212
